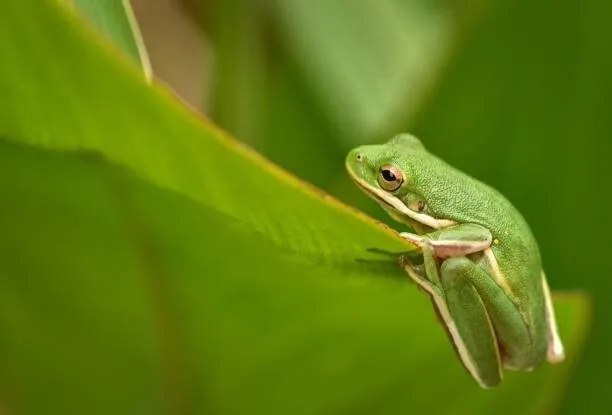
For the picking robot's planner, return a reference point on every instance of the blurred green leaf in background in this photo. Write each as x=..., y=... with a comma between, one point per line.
x=150, y=263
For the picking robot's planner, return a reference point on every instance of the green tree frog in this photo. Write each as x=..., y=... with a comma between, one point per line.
x=478, y=259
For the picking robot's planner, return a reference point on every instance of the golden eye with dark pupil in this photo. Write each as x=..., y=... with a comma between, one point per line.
x=388, y=175
x=390, y=178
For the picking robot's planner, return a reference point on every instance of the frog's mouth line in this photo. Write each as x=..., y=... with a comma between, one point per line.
x=398, y=206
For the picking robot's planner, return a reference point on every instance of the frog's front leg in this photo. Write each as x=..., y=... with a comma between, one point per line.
x=456, y=240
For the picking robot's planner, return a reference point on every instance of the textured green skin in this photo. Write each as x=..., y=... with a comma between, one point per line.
x=451, y=194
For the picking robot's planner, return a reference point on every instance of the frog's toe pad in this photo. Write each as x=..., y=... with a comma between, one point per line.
x=415, y=239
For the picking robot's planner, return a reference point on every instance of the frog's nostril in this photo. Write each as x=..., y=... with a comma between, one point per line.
x=359, y=157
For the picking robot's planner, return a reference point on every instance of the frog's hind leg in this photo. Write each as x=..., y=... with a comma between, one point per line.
x=555, y=351
x=469, y=322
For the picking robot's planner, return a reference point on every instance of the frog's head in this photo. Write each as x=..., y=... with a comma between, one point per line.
x=388, y=173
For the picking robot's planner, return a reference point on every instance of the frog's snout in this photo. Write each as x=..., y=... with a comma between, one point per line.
x=354, y=157
x=354, y=161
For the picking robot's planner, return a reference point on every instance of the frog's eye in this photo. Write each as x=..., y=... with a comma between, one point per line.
x=390, y=178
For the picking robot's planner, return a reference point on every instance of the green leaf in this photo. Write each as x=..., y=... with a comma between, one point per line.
x=152, y=264
x=144, y=300
x=115, y=19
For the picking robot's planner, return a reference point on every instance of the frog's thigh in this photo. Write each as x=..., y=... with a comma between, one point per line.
x=474, y=338
x=515, y=341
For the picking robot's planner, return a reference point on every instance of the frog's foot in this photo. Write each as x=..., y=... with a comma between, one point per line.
x=555, y=352
x=415, y=239
x=417, y=273
x=405, y=261
x=454, y=241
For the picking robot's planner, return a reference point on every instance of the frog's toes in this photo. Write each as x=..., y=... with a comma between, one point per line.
x=415, y=239
x=404, y=261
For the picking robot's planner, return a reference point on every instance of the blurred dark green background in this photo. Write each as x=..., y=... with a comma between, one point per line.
x=517, y=93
